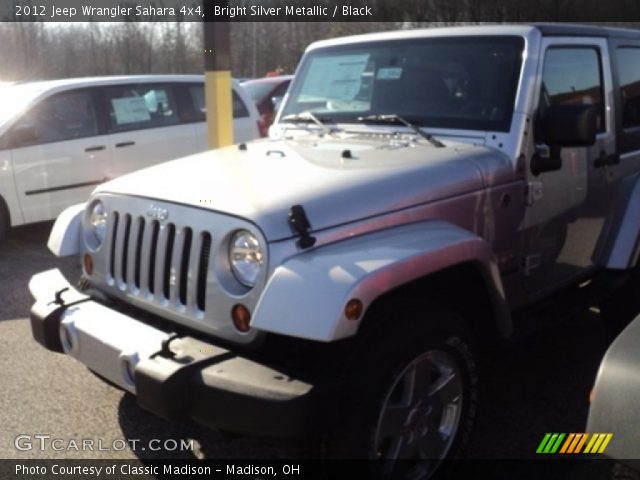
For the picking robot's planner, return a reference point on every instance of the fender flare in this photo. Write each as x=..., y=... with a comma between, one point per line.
x=305, y=297
x=65, y=235
x=622, y=250
x=614, y=404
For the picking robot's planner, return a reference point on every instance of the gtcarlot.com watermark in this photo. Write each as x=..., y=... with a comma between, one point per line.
x=47, y=442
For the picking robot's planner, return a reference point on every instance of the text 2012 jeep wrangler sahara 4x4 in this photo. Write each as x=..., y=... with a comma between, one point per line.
x=419, y=189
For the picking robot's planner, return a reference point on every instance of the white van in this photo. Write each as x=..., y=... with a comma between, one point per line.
x=61, y=138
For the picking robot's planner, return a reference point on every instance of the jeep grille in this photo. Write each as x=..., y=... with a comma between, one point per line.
x=169, y=263
x=170, y=260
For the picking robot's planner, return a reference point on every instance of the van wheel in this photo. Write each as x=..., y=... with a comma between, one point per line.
x=623, y=305
x=414, y=397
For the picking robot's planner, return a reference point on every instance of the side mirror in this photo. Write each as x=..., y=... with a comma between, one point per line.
x=563, y=126
x=25, y=134
x=569, y=126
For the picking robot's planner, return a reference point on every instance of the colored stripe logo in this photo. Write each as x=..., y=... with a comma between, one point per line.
x=574, y=443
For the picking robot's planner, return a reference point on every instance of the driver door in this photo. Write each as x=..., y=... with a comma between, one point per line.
x=567, y=208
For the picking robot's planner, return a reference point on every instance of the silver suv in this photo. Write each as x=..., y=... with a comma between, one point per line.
x=419, y=192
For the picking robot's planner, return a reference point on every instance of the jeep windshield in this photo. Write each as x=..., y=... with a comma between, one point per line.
x=464, y=83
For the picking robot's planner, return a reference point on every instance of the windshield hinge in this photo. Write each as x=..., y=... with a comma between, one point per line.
x=534, y=192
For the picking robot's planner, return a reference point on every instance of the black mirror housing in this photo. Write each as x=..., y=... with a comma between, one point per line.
x=569, y=126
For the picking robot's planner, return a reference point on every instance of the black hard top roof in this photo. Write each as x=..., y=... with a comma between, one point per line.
x=577, y=30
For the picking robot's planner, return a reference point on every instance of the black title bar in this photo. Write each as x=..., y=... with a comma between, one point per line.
x=319, y=10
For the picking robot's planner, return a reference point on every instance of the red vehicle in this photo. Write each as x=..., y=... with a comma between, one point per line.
x=267, y=93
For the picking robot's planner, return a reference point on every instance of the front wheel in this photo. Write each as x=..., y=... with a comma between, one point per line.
x=4, y=221
x=416, y=397
x=623, y=472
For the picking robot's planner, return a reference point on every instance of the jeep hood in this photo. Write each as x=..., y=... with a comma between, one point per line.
x=262, y=182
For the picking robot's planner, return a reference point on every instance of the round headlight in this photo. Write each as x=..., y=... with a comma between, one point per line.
x=246, y=258
x=98, y=222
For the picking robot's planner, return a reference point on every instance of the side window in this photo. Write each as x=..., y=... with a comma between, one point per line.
x=63, y=116
x=572, y=76
x=628, y=60
x=239, y=108
x=281, y=90
x=198, y=104
x=190, y=99
x=194, y=107
x=135, y=107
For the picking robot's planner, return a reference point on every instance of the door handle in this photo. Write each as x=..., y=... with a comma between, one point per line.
x=97, y=148
x=125, y=144
x=606, y=159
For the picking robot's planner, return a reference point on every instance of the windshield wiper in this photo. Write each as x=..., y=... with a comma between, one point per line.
x=393, y=118
x=306, y=117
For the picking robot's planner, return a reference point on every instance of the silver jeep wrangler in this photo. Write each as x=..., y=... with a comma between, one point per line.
x=420, y=191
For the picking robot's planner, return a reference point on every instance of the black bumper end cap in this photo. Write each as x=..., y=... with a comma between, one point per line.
x=45, y=325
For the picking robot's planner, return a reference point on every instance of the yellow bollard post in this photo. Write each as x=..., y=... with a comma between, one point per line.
x=218, y=84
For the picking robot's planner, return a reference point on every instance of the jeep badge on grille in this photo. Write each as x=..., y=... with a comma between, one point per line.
x=157, y=213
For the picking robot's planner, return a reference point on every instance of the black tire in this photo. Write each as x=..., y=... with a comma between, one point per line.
x=5, y=223
x=623, y=305
x=433, y=340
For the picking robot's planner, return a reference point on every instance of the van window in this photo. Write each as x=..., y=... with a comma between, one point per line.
x=628, y=60
x=63, y=116
x=572, y=76
x=191, y=102
x=195, y=109
x=239, y=108
x=135, y=107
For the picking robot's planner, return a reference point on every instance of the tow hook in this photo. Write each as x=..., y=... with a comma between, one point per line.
x=58, y=297
x=165, y=350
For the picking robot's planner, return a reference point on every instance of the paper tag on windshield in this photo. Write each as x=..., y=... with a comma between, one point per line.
x=335, y=78
x=392, y=73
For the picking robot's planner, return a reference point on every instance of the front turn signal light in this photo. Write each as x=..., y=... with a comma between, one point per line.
x=353, y=309
x=241, y=317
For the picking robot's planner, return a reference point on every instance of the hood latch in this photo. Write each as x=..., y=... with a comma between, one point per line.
x=300, y=224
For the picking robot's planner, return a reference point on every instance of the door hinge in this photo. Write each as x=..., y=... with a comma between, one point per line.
x=534, y=192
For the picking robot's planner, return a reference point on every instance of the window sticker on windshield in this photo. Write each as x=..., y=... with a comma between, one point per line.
x=130, y=110
x=393, y=73
x=338, y=77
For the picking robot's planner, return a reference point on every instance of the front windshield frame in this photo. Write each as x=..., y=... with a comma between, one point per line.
x=502, y=124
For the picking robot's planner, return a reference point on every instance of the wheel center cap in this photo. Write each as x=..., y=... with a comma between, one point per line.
x=417, y=424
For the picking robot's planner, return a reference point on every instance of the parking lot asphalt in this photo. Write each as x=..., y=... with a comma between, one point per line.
x=539, y=385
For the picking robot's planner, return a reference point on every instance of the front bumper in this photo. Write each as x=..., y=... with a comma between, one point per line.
x=176, y=378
